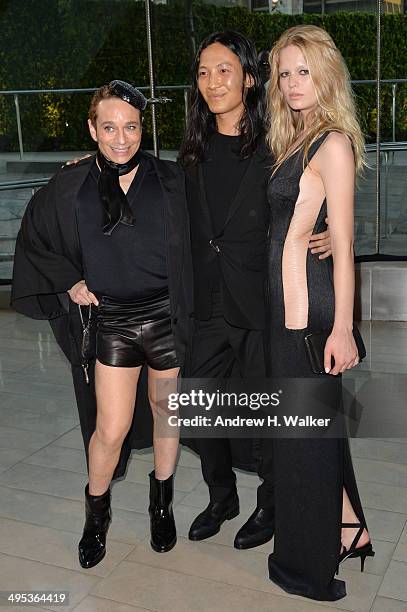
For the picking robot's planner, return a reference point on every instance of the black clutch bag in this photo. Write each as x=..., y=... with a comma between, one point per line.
x=315, y=345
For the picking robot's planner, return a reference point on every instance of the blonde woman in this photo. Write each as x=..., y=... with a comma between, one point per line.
x=317, y=145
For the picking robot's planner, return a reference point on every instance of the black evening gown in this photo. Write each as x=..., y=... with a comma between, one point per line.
x=309, y=473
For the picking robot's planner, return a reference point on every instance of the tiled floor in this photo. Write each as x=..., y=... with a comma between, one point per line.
x=43, y=473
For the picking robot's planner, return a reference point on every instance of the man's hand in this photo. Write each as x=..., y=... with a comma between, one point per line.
x=76, y=160
x=81, y=295
x=321, y=243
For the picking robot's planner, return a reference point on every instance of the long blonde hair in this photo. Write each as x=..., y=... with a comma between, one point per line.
x=336, y=106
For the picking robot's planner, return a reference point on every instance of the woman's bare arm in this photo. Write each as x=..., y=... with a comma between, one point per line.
x=336, y=166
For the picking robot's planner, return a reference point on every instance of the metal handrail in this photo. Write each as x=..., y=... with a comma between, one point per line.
x=387, y=146
x=24, y=184
x=373, y=81
x=86, y=89
x=163, y=87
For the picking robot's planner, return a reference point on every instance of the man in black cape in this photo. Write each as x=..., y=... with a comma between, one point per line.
x=49, y=262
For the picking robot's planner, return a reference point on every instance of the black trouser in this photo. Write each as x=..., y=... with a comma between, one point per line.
x=220, y=350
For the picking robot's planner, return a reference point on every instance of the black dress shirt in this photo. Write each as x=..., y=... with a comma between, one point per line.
x=131, y=262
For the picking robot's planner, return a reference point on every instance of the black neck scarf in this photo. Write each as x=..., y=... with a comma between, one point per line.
x=115, y=203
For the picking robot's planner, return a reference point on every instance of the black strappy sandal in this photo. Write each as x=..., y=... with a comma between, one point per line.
x=353, y=552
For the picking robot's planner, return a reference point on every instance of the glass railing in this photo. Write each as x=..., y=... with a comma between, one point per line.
x=382, y=231
x=380, y=227
x=390, y=224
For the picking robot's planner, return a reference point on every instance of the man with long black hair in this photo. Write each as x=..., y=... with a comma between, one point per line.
x=227, y=168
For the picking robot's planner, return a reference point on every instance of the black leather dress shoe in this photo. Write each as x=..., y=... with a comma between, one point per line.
x=257, y=530
x=209, y=522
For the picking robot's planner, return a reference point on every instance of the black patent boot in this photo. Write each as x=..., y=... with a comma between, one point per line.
x=163, y=532
x=92, y=547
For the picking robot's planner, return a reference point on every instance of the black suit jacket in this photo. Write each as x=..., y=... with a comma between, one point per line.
x=239, y=249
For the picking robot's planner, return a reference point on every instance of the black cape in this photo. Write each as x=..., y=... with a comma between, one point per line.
x=48, y=262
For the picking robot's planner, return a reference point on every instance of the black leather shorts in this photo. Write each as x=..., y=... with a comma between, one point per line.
x=132, y=333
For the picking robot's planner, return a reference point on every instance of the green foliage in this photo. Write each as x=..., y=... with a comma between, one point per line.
x=82, y=43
